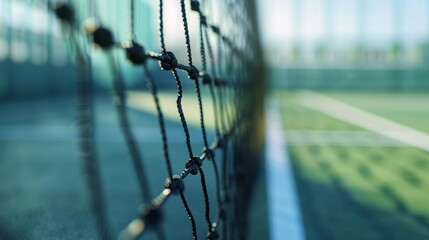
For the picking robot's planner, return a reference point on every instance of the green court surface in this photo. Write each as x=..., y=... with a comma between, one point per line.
x=354, y=182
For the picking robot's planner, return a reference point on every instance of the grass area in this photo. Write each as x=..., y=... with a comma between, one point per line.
x=361, y=192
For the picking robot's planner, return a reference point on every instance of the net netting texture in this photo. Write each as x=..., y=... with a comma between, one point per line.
x=225, y=39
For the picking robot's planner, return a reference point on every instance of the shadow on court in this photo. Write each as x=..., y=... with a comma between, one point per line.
x=334, y=207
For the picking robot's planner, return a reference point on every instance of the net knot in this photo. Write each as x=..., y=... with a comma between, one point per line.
x=135, y=53
x=215, y=29
x=203, y=19
x=218, y=82
x=221, y=142
x=226, y=197
x=206, y=78
x=193, y=72
x=226, y=40
x=102, y=37
x=168, y=61
x=195, y=5
x=152, y=215
x=209, y=153
x=64, y=12
x=193, y=165
x=222, y=213
x=175, y=184
x=212, y=234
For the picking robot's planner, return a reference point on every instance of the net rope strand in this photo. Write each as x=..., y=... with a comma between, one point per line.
x=124, y=124
x=186, y=29
x=122, y=115
x=182, y=117
x=88, y=150
x=132, y=19
x=212, y=158
x=223, y=121
x=215, y=112
x=152, y=87
x=200, y=106
x=220, y=193
x=219, y=90
x=180, y=111
x=161, y=26
x=211, y=83
x=85, y=111
x=225, y=149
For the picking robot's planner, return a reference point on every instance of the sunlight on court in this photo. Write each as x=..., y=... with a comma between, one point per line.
x=139, y=101
x=351, y=171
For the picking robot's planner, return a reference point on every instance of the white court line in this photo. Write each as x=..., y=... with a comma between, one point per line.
x=285, y=220
x=364, y=119
x=360, y=138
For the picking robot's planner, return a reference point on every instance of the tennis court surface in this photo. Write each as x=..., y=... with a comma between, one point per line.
x=360, y=161
x=43, y=194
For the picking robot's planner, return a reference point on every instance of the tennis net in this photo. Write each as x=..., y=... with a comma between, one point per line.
x=222, y=55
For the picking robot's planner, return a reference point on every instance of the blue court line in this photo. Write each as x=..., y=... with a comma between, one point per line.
x=285, y=221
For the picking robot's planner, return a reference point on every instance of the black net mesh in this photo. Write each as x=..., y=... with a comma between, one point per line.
x=210, y=51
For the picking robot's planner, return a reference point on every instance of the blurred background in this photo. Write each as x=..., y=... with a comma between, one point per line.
x=355, y=44
x=350, y=83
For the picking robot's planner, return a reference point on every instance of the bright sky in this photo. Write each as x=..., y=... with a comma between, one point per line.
x=373, y=21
